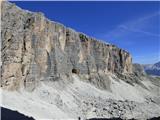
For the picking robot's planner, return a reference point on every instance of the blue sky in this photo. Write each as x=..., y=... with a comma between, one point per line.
x=133, y=26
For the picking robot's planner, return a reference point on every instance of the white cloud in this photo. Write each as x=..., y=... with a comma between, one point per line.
x=130, y=29
x=140, y=28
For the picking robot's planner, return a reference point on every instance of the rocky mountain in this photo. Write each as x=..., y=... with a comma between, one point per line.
x=50, y=71
x=152, y=69
x=36, y=49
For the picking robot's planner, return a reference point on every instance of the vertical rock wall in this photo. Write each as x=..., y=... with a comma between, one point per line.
x=36, y=49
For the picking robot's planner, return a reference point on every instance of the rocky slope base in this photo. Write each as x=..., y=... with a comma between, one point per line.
x=76, y=98
x=50, y=71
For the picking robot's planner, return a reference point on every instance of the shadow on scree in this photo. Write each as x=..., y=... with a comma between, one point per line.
x=7, y=114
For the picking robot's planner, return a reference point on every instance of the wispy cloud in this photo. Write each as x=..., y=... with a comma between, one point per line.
x=137, y=25
x=140, y=24
x=130, y=29
x=136, y=36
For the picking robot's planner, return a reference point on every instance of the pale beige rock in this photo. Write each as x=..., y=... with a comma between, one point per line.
x=46, y=50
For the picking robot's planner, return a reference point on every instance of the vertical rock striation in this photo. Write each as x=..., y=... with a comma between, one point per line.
x=36, y=49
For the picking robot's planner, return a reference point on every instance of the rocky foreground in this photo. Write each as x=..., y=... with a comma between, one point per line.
x=50, y=71
x=73, y=99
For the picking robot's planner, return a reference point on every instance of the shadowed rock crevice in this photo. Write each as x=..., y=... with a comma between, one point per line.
x=75, y=71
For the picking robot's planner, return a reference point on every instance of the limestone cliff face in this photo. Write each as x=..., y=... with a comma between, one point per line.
x=36, y=49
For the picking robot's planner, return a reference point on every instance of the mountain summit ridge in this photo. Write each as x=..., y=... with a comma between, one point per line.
x=152, y=69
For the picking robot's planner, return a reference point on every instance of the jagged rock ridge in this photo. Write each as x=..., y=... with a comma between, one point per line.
x=152, y=69
x=37, y=49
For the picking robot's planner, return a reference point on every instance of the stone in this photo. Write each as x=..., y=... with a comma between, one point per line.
x=42, y=49
x=138, y=69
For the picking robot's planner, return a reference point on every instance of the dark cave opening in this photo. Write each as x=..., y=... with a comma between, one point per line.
x=75, y=71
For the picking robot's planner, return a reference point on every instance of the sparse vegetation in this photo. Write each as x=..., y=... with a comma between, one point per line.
x=83, y=37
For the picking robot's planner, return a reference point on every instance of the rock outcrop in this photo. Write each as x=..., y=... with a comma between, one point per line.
x=36, y=49
x=138, y=69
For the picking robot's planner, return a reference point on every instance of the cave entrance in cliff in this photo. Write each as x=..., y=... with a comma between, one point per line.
x=75, y=71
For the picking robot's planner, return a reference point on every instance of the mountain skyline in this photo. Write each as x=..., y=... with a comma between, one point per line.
x=153, y=69
x=133, y=26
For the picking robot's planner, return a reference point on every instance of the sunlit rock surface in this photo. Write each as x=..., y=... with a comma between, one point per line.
x=35, y=48
x=50, y=71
